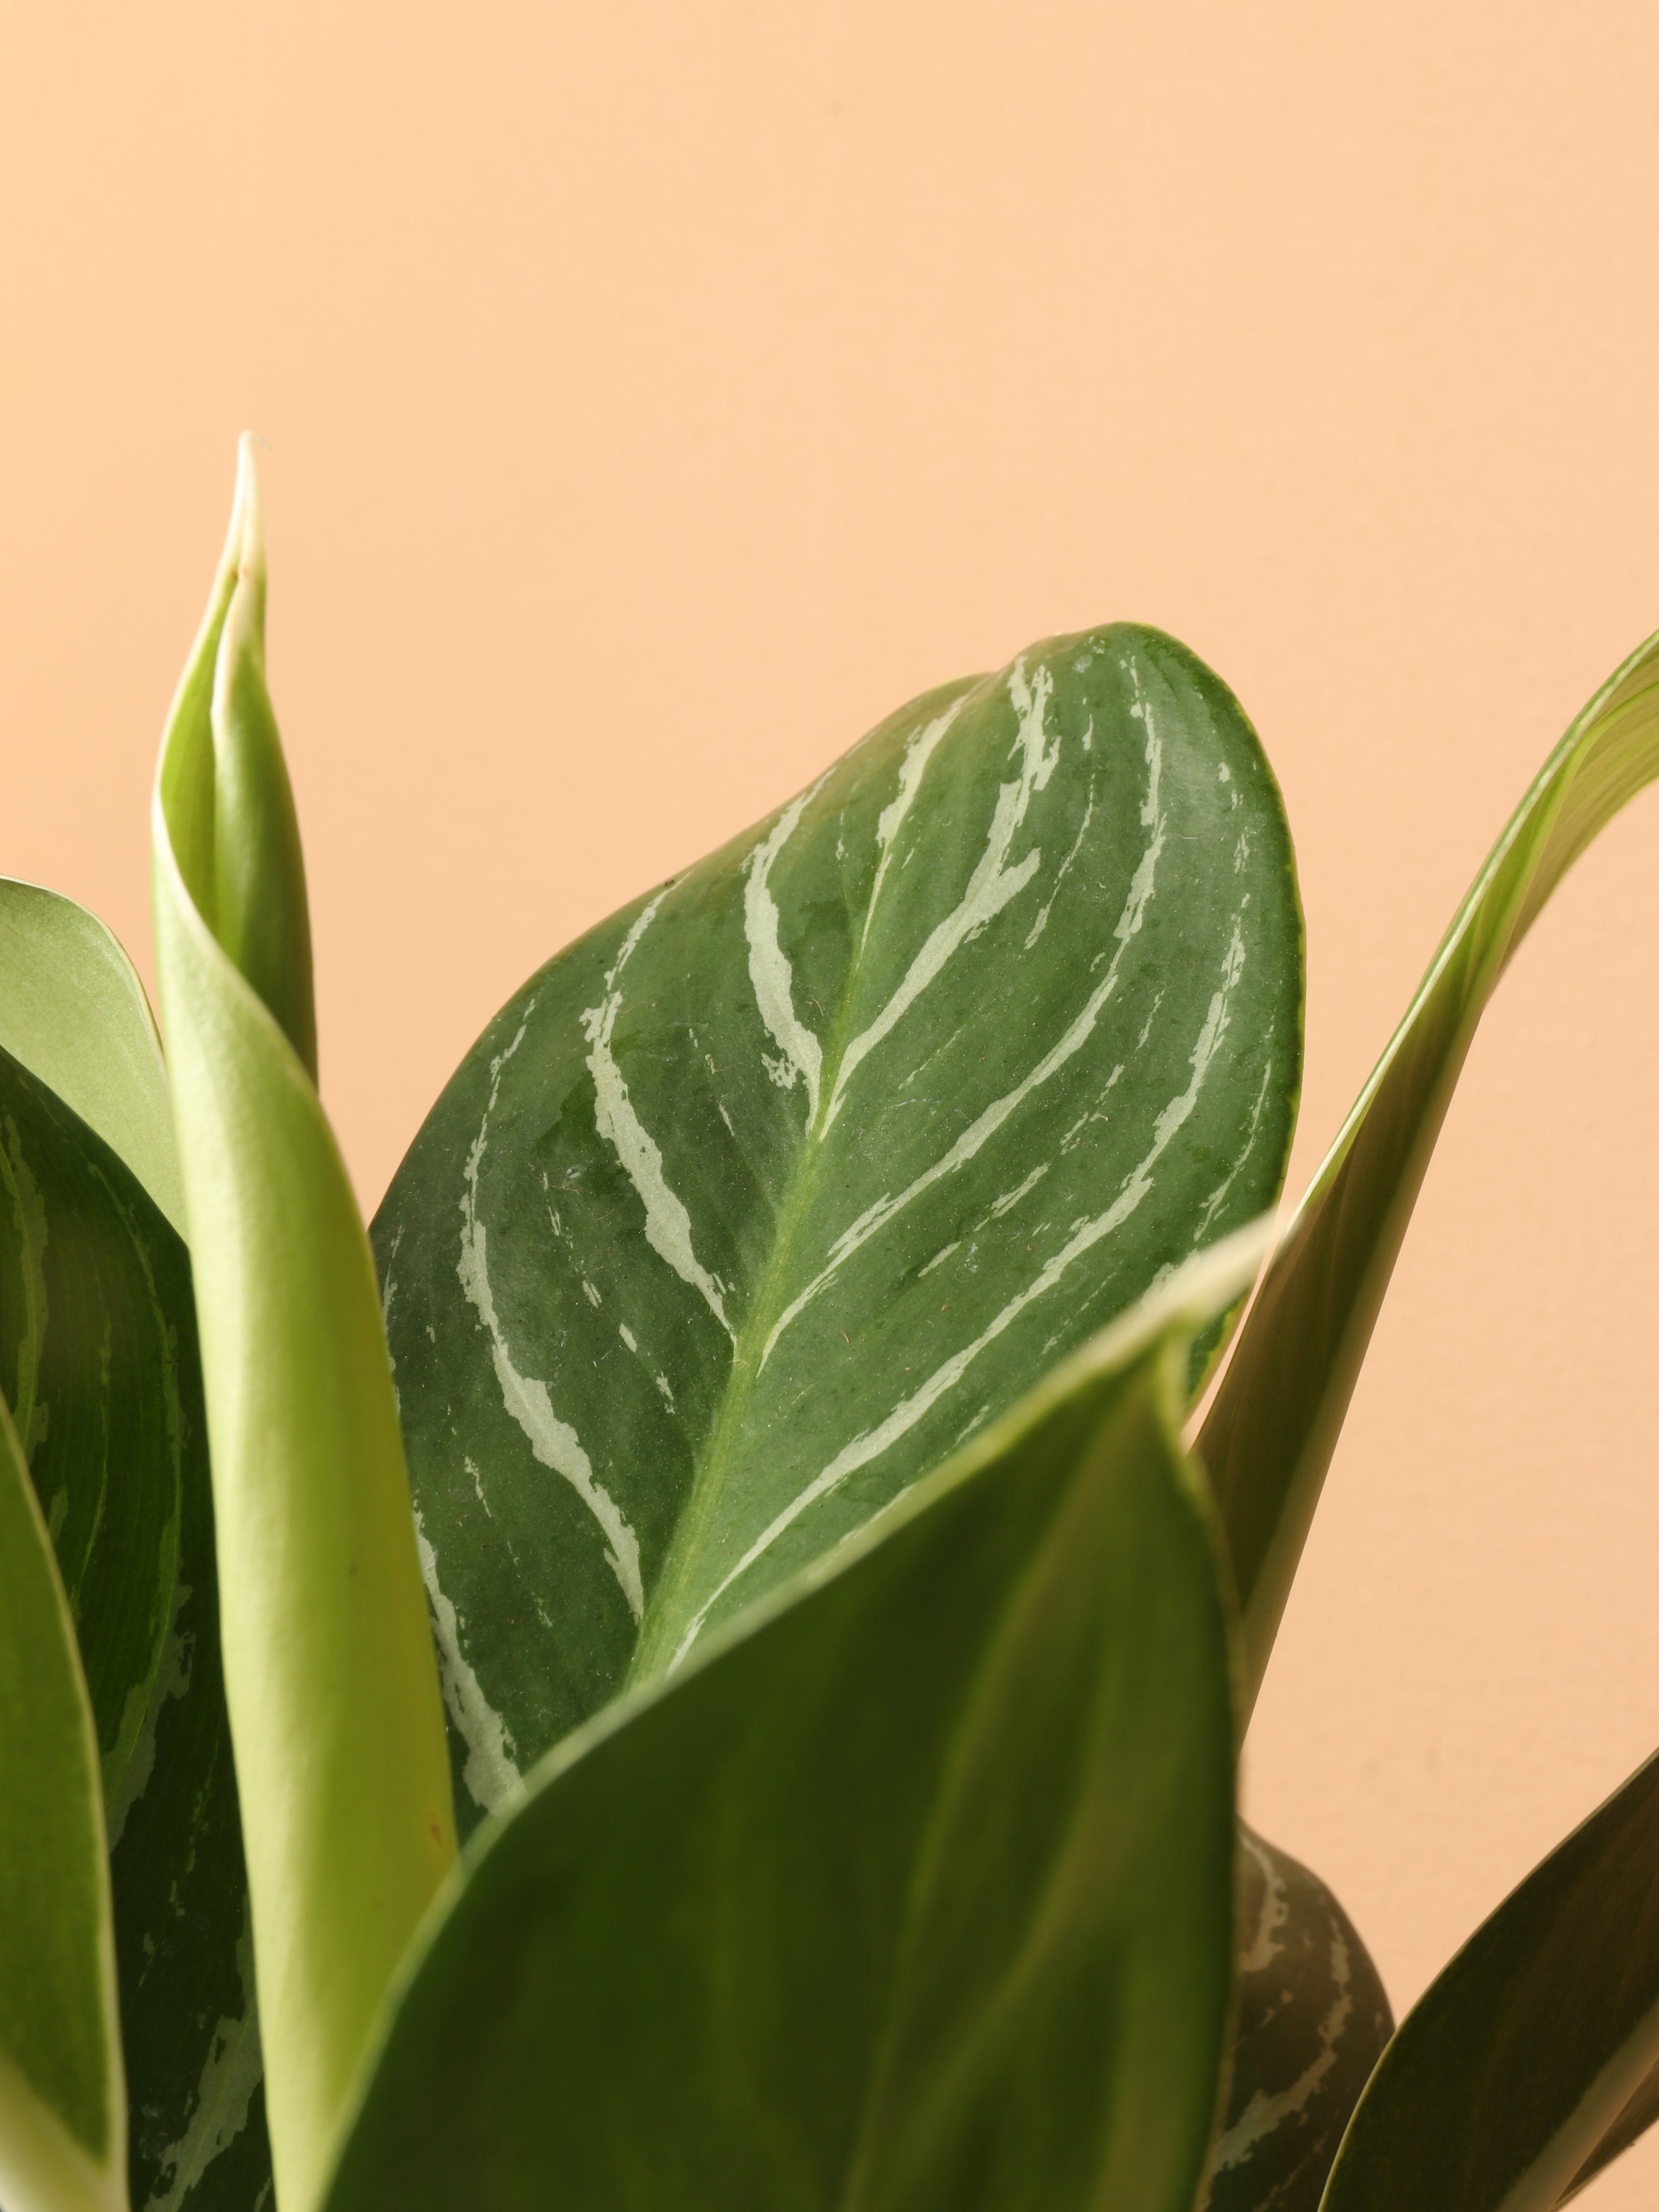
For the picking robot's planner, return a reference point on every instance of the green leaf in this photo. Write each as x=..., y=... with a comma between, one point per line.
x=914, y=1889
x=1529, y=2062
x=1311, y=2023
x=223, y=790
x=73, y=1010
x=98, y=1361
x=774, y=1188
x=328, y=1660
x=1274, y=1426
x=62, y=2097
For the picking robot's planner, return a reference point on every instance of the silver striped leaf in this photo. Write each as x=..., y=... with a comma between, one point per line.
x=776, y=1186
x=1313, y=2020
x=99, y=1366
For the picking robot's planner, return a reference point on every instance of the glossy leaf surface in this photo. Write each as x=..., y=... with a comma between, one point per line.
x=1312, y=2020
x=73, y=1010
x=778, y=1185
x=914, y=1890
x=1527, y=2062
x=329, y=1671
x=1271, y=1432
x=98, y=1361
x=62, y=2100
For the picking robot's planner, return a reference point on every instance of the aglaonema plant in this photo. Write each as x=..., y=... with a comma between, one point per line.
x=741, y=1491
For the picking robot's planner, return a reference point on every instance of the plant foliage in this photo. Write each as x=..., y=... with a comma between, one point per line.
x=750, y=1507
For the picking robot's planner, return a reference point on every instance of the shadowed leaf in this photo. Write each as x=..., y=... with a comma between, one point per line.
x=1311, y=2023
x=62, y=2095
x=1529, y=2063
x=98, y=1360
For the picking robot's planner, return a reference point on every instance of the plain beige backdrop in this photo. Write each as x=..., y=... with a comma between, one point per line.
x=658, y=393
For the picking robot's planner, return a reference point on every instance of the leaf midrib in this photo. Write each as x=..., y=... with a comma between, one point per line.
x=664, y=1612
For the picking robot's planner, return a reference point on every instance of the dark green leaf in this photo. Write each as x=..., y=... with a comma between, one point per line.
x=914, y=1890
x=62, y=2101
x=1529, y=2063
x=774, y=1188
x=1273, y=1428
x=98, y=1360
x=1312, y=2022
x=1635, y=2118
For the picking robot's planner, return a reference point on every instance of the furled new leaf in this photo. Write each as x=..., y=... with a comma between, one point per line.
x=914, y=1889
x=73, y=1010
x=1271, y=1430
x=778, y=1185
x=62, y=2099
x=98, y=1361
x=1530, y=2060
x=329, y=1672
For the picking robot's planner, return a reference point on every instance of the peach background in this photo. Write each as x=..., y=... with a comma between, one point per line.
x=657, y=394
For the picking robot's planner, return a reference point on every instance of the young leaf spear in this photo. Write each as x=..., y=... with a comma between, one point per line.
x=330, y=1676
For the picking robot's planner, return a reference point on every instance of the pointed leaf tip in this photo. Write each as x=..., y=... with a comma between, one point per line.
x=223, y=793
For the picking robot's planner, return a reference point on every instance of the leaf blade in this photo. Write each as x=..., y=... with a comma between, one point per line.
x=328, y=1673
x=98, y=1360
x=61, y=2090
x=1312, y=2020
x=1526, y=2063
x=1271, y=1430
x=761, y=1196
x=73, y=1012
x=904, y=1893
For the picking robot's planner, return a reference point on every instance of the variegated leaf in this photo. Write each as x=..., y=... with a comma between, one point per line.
x=98, y=1362
x=1312, y=2018
x=779, y=1184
